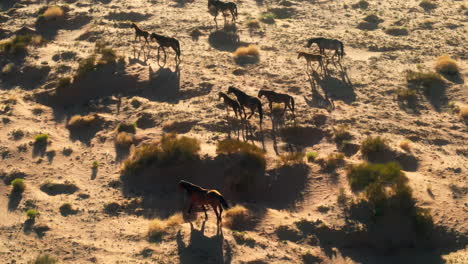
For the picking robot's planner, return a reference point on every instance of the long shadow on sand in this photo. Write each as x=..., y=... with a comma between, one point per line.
x=203, y=249
x=226, y=39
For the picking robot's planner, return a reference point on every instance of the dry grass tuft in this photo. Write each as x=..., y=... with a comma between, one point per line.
x=159, y=228
x=445, y=65
x=332, y=161
x=19, y=44
x=78, y=121
x=405, y=145
x=124, y=140
x=245, y=55
x=463, y=112
x=428, y=4
x=291, y=158
x=53, y=12
x=374, y=146
x=44, y=259
x=238, y=218
x=397, y=31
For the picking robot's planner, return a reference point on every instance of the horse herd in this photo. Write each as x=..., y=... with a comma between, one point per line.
x=198, y=195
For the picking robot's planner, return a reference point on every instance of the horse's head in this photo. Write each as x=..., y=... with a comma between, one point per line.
x=300, y=54
x=231, y=89
x=261, y=93
x=133, y=25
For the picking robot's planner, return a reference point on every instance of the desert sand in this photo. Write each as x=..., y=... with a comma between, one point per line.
x=110, y=216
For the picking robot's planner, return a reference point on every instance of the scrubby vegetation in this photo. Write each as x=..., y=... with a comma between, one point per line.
x=428, y=4
x=253, y=24
x=386, y=187
x=67, y=209
x=250, y=158
x=425, y=80
x=32, y=214
x=341, y=133
x=408, y=95
x=18, y=185
x=63, y=82
x=19, y=44
x=126, y=127
x=53, y=13
x=397, y=31
x=44, y=259
x=158, y=228
x=445, y=65
x=332, y=161
x=79, y=121
x=311, y=156
x=291, y=158
x=124, y=140
x=171, y=150
x=243, y=238
x=405, y=145
x=86, y=66
x=268, y=17
x=238, y=218
x=463, y=112
x=373, y=147
x=249, y=54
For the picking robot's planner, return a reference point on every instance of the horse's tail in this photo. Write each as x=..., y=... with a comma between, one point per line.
x=223, y=202
x=235, y=10
x=309, y=43
x=260, y=111
x=178, y=48
x=292, y=103
x=342, y=49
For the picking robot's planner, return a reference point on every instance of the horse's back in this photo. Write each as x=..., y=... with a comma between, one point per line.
x=214, y=194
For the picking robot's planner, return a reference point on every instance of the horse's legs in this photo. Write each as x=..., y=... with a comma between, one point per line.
x=216, y=212
x=270, y=103
x=204, y=209
x=220, y=212
x=251, y=114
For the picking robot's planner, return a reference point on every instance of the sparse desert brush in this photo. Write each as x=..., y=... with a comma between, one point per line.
x=172, y=149
x=374, y=146
x=341, y=133
x=108, y=55
x=291, y=158
x=243, y=238
x=64, y=82
x=362, y=4
x=363, y=175
x=86, y=66
x=405, y=145
x=397, y=31
x=44, y=259
x=19, y=44
x=95, y=165
x=445, y=65
x=158, y=228
x=238, y=218
x=428, y=4
x=127, y=127
x=79, y=121
x=406, y=94
x=311, y=156
x=32, y=214
x=67, y=209
x=41, y=139
x=17, y=134
x=249, y=54
x=53, y=12
x=332, y=161
x=268, y=17
x=8, y=68
x=253, y=24
x=18, y=185
x=124, y=140
x=427, y=80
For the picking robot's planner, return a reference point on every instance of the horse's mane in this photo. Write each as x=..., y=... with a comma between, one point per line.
x=190, y=186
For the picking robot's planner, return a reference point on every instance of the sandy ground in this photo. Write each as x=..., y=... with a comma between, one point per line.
x=363, y=93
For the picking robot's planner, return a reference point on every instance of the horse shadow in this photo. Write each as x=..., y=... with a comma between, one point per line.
x=164, y=85
x=136, y=56
x=319, y=101
x=203, y=249
x=336, y=88
x=182, y=3
x=226, y=39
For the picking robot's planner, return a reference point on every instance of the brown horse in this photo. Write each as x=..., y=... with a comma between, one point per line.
x=201, y=196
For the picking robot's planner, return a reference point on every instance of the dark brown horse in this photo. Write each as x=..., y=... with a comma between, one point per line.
x=201, y=196
x=274, y=97
x=140, y=33
x=229, y=102
x=216, y=6
x=245, y=100
x=167, y=42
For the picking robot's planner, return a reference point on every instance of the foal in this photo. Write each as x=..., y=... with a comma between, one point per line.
x=140, y=33
x=216, y=6
x=274, y=97
x=230, y=103
x=248, y=101
x=331, y=44
x=169, y=42
x=309, y=57
x=201, y=196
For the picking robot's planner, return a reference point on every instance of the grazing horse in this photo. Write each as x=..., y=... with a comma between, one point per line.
x=248, y=101
x=201, y=196
x=140, y=33
x=274, y=97
x=309, y=57
x=216, y=6
x=169, y=42
x=331, y=44
x=230, y=103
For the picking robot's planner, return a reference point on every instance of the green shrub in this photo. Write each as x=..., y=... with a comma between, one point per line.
x=341, y=133
x=362, y=175
x=41, y=139
x=397, y=31
x=332, y=161
x=374, y=146
x=311, y=156
x=405, y=94
x=64, y=82
x=18, y=185
x=425, y=80
x=268, y=17
x=95, y=165
x=19, y=44
x=32, y=214
x=44, y=259
x=86, y=66
x=170, y=150
x=291, y=158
